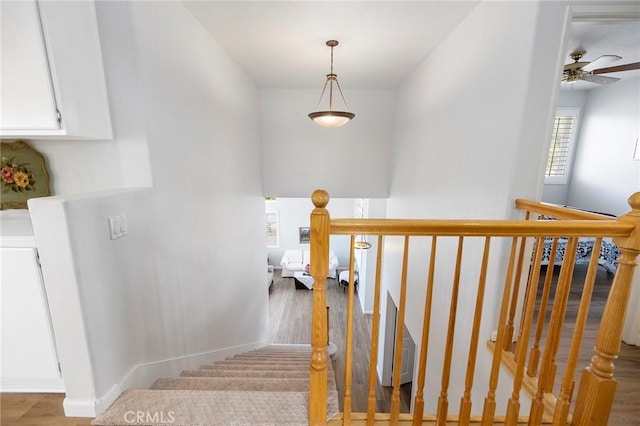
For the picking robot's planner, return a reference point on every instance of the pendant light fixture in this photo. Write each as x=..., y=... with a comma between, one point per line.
x=360, y=242
x=331, y=118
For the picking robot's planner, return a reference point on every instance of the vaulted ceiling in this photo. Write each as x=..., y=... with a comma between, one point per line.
x=281, y=44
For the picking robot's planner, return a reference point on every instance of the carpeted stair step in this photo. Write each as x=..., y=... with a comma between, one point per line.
x=284, y=348
x=196, y=407
x=235, y=384
x=273, y=357
x=245, y=373
x=245, y=361
x=257, y=367
x=282, y=351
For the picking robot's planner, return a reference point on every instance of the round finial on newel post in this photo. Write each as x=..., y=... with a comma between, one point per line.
x=320, y=198
x=634, y=202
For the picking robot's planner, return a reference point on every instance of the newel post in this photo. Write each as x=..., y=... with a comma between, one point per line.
x=319, y=270
x=597, y=385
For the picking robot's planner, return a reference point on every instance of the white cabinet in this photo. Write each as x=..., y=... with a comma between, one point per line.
x=28, y=101
x=51, y=71
x=29, y=362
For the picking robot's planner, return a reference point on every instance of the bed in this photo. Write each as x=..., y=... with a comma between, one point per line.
x=607, y=257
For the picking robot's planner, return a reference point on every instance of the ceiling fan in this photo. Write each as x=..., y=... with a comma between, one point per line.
x=591, y=71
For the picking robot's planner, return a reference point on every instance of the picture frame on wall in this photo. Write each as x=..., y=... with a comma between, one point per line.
x=305, y=235
x=24, y=175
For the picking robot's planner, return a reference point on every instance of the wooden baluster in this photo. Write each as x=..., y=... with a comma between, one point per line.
x=597, y=385
x=489, y=408
x=443, y=402
x=397, y=362
x=534, y=352
x=348, y=358
x=375, y=328
x=508, y=338
x=513, y=406
x=564, y=282
x=319, y=231
x=549, y=367
x=418, y=406
x=562, y=404
x=465, y=402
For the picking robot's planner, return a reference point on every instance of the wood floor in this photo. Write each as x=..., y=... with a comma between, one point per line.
x=36, y=409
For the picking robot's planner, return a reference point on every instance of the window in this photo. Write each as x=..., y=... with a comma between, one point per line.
x=272, y=223
x=561, y=146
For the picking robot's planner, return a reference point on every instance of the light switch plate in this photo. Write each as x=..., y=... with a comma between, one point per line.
x=117, y=226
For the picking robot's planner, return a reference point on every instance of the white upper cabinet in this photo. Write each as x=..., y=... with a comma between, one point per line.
x=28, y=101
x=52, y=82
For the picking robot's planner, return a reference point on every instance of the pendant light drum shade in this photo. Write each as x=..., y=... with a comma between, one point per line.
x=331, y=118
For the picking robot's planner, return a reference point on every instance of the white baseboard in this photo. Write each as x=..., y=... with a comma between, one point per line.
x=143, y=375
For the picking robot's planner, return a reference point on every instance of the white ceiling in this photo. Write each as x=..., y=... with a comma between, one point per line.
x=605, y=38
x=281, y=44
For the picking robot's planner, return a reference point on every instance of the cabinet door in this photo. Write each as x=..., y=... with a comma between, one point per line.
x=27, y=99
x=29, y=361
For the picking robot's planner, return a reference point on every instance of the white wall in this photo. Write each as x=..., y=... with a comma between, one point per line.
x=466, y=143
x=376, y=209
x=349, y=162
x=78, y=166
x=152, y=302
x=604, y=172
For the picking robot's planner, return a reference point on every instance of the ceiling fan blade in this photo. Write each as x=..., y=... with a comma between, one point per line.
x=602, y=61
x=618, y=68
x=600, y=79
x=575, y=65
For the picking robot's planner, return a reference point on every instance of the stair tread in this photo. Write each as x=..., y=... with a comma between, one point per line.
x=260, y=361
x=235, y=383
x=271, y=356
x=192, y=407
x=257, y=367
x=241, y=373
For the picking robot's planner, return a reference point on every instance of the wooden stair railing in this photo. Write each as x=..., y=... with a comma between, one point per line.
x=533, y=368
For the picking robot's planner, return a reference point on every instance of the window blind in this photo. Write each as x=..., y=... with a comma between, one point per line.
x=273, y=239
x=559, y=150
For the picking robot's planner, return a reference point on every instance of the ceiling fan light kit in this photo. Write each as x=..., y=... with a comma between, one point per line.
x=591, y=71
x=331, y=118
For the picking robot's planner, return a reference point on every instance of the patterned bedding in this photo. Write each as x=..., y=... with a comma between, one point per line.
x=609, y=252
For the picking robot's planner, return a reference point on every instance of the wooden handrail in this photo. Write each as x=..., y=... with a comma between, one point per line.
x=481, y=228
x=597, y=387
x=558, y=212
